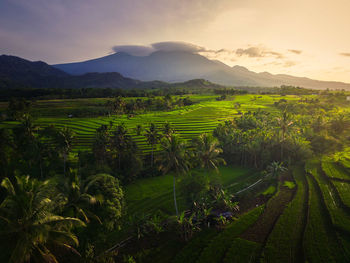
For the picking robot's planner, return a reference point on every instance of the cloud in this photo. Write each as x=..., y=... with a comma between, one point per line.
x=177, y=46
x=285, y=64
x=224, y=54
x=345, y=54
x=289, y=64
x=135, y=50
x=167, y=46
x=295, y=51
x=258, y=52
x=250, y=52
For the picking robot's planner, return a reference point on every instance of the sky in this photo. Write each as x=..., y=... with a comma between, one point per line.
x=301, y=37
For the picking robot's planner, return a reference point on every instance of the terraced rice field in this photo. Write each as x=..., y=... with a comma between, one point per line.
x=288, y=248
x=343, y=189
x=220, y=245
x=189, y=122
x=320, y=244
x=305, y=223
x=339, y=217
x=305, y=220
x=334, y=170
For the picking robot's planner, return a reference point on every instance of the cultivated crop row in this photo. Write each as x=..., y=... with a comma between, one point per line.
x=282, y=247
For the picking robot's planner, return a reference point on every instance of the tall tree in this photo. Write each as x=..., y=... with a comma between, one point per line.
x=29, y=226
x=153, y=138
x=64, y=140
x=79, y=202
x=284, y=123
x=174, y=160
x=167, y=129
x=207, y=152
x=101, y=144
x=121, y=141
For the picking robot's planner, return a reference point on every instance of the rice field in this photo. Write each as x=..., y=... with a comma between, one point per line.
x=305, y=218
x=343, y=188
x=287, y=248
x=334, y=170
x=188, y=122
x=319, y=242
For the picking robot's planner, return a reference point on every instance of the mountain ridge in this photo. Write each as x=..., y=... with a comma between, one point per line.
x=179, y=66
x=16, y=72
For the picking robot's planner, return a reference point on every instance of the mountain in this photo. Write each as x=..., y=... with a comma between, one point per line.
x=17, y=72
x=178, y=66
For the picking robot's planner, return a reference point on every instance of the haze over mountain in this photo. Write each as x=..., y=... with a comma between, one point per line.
x=178, y=66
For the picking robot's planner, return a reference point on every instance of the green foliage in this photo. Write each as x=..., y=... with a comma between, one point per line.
x=18, y=108
x=107, y=187
x=275, y=169
x=193, y=187
x=289, y=184
x=270, y=190
x=207, y=152
x=30, y=229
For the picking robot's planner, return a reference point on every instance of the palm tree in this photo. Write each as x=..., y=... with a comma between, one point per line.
x=120, y=141
x=78, y=200
x=152, y=137
x=207, y=151
x=275, y=169
x=101, y=143
x=64, y=139
x=167, y=129
x=174, y=159
x=284, y=123
x=29, y=225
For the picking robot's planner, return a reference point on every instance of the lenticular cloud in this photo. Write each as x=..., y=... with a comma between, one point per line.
x=140, y=50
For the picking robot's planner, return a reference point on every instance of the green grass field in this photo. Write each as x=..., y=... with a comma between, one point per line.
x=156, y=193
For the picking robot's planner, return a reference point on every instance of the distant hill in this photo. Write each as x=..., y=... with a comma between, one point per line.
x=179, y=66
x=16, y=72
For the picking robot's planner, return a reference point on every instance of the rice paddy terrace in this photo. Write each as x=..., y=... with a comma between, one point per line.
x=306, y=223
x=189, y=121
